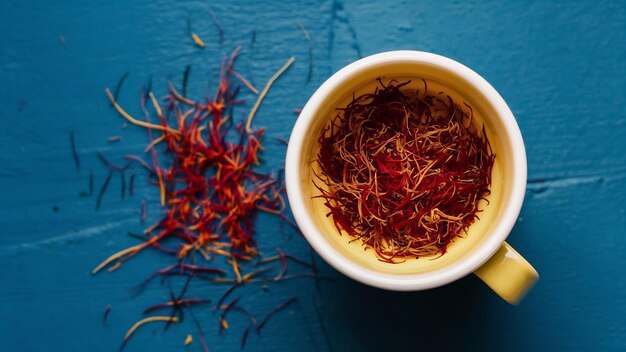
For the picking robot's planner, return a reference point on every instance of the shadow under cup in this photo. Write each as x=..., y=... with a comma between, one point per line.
x=498, y=215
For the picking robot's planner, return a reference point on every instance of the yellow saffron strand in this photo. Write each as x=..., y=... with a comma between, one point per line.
x=197, y=40
x=116, y=256
x=134, y=120
x=236, y=270
x=188, y=340
x=265, y=90
x=180, y=97
x=161, y=188
x=245, y=82
x=153, y=143
x=148, y=320
x=156, y=105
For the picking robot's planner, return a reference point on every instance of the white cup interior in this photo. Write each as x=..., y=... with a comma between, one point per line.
x=508, y=177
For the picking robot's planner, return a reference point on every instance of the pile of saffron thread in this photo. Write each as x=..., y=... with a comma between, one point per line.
x=210, y=193
x=403, y=170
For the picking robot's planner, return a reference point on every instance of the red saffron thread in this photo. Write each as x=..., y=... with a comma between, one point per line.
x=274, y=311
x=74, y=152
x=105, y=314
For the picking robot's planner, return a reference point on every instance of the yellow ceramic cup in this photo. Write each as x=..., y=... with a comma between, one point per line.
x=483, y=251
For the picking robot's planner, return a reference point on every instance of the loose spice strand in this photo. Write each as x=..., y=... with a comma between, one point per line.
x=205, y=347
x=154, y=143
x=244, y=336
x=132, y=119
x=185, y=79
x=265, y=90
x=114, y=257
x=197, y=40
x=307, y=36
x=123, y=185
x=105, y=314
x=103, y=189
x=218, y=26
x=148, y=320
x=245, y=82
x=274, y=311
x=90, y=183
x=131, y=185
x=74, y=152
x=144, y=211
x=120, y=83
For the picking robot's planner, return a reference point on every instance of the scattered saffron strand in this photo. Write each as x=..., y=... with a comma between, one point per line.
x=108, y=164
x=123, y=185
x=265, y=90
x=103, y=189
x=179, y=97
x=185, y=79
x=247, y=277
x=134, y=120
x=144, y=211
x=217, y=25
x=131, y=185
x=283, y=269
x=105, y=314
x=245, y=82
x=148, y=320
x=120, y=83
x=223, y=325
x=197, y=40
x=225, y=309
x=90, y=182
x=226, y=293
x=320, y=320
x=244, y=337
x=161, y=187
x=286, y=256
x=236, y=270
x=115, y=267
x=282, y=140
x=188, y=340
x=155, y=103
x=307, y=36
x=74, y=152
x=315, y=269
x=274, y=311
x=180, y=302
x=130, y=251
x=116, y=256
x=140, y=161
x=205, y=347
x=153, y=143
x=253, y=39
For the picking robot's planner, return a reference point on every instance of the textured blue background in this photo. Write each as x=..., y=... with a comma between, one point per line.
x=561, y=68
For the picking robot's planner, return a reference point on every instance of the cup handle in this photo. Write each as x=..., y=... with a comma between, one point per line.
x=508, y=274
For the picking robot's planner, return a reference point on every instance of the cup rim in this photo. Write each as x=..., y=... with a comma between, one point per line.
x=424, y=280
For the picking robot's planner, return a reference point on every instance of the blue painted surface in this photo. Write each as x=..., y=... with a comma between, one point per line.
x=561, y=68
